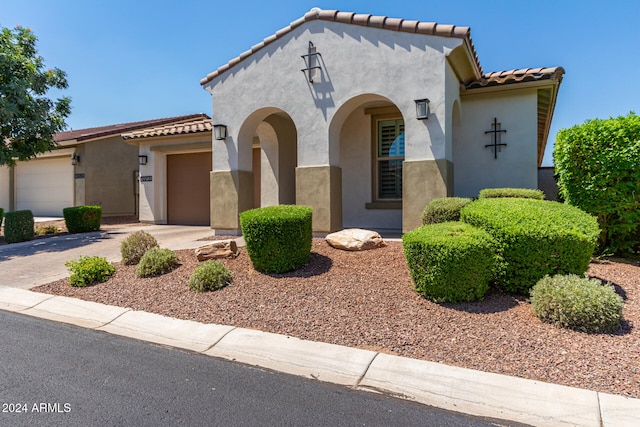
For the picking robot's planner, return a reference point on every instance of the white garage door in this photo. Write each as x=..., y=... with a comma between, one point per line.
x=44, y=186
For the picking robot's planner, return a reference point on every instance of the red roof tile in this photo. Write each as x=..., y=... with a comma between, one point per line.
x=102, y=131
x=383, y=22
x=517, y=76
x=203, y=124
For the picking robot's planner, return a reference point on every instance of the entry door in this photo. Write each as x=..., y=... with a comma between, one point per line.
x=188, y=188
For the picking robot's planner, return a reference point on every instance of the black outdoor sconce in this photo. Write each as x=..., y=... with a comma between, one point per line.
x=422, y=109
x=220, y=132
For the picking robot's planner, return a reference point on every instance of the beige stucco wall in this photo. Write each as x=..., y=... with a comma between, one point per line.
x=356, y=62
x=109, y=165
x=5, y=185
x=516, y=166
x=153, y=194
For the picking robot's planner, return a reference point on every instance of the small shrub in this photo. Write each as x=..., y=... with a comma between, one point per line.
x=277, y=238
x=521, y=193
x=89, y=270
x=18, y=226
x=155, y=262
x=209, y=276
x=135, y=245
x=46, y=229
x=451, y=261
x=577, y=303
x=537, y=238
x=444, y=209
x=81, y=219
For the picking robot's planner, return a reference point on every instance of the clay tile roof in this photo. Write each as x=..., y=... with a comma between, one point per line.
x=393, y=24
x=202, y=124
x=80, y=135
x=517, y=76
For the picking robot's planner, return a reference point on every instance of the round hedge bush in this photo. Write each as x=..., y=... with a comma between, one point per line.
x=82, y=219
x=135, y=245
x=578, y=303
x=537, y=238
x=18, y=226
x=444, y=209
x=209, y=276
x=277, y=238
x=450, y=261
x=156, y=261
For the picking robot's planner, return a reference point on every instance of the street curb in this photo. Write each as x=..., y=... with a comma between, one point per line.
x=452, y=388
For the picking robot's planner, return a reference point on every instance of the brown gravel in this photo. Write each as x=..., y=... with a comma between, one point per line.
x=365, y=300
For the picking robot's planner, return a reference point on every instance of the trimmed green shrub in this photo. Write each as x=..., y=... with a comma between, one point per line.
x=46, y=229
x=209, y=276
x=1, y=216
x=88, y=270
x=520, y=193
x=135, y=245
x=537, y=238
x=156, y=261
x=598, y=168
x=577, y=303
x=18, y=226
x=450, y=261
x=277, y=238
x=444, y=209
x=81, y=219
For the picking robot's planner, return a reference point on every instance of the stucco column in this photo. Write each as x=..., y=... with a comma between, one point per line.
x=231, y=194
x=320, y=187
x=423, y=181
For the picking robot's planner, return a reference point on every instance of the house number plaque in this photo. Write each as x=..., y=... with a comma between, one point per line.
x=146, y=178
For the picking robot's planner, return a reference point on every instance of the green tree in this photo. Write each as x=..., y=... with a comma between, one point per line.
x=598, y=168
x=28, y=118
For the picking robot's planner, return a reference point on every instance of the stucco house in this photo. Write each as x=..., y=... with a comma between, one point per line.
x=367, y=118
x=89, y=166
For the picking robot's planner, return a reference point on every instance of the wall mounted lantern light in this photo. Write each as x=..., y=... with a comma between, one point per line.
x=311, y=62
x=219, y=132
x=422, y=109
x=75, y=159
x=142, y=160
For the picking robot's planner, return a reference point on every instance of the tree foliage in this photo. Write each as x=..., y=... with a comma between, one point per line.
x=598, y=168
x=28, y=118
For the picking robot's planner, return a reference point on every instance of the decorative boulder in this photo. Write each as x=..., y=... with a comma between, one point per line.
x=355, y=239
x=217, y=249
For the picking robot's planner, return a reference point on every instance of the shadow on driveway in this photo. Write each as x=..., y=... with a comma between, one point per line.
x=52, y=244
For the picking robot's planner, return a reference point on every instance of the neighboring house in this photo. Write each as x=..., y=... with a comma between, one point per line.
x=174, y=181
x=91, y=166
x=348, y=136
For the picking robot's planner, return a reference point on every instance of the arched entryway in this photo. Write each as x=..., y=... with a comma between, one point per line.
x=367, y=138
x=267, y=146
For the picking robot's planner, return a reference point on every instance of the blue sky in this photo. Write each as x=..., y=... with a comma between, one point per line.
x=130, y=60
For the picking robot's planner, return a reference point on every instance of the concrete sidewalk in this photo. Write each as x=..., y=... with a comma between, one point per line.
x=452, y=388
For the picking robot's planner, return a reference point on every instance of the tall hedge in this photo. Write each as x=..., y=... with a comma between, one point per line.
x=598, y=168
x=537, y=238
x=277, y=238
x=18, y=226
x=81, y=219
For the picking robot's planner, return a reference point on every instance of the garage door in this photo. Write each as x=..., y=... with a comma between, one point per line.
x=44, y=186
x=188, y=188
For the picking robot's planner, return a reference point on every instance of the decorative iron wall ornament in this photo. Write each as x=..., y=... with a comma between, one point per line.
x=496, y=132
x=311, y=62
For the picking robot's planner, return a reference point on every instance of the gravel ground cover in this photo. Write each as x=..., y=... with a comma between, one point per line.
x=366, y=300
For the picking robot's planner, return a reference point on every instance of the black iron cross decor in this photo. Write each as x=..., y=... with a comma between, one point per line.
x=496, y=131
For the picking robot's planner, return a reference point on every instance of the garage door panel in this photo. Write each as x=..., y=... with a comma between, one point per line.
x=44, y=186
x=188, y=188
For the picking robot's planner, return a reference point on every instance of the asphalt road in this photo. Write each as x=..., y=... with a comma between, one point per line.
x=56, y=374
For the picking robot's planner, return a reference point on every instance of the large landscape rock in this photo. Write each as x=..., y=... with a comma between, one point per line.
x=217, y=249
x=355, y=239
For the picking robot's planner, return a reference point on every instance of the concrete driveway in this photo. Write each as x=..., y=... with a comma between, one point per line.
x=28, y=264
